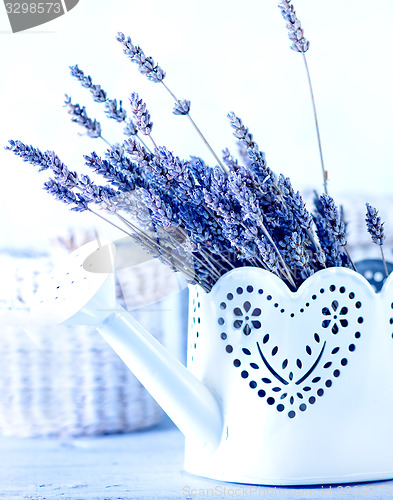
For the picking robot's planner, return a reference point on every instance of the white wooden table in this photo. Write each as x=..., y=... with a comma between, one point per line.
x=143, y=465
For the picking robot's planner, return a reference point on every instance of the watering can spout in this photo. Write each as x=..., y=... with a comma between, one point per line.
x=183, y=397
x=75, y=295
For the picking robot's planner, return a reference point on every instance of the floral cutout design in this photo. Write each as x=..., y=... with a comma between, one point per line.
x=336, y=317
x=246, y=320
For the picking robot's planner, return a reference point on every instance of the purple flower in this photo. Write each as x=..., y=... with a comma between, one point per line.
x=130, y=128
x=296, y=34
x=137, y=151
x=118, y=178
x=241, y=132
x=65, y=195
x=374, y=225
x=98, y=94
x=161, y=211
x=114, y=111
x=229, y=160
x=142, y=116
x=333, y=218
x=328, y=241
x=30, y=154
x=145, y=64
x=182, y=107
x=79, y=115
x=297, y=256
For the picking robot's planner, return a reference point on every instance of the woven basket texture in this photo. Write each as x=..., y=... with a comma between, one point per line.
x=67, y=381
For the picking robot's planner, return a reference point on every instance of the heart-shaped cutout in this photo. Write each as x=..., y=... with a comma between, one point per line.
x=291, y=349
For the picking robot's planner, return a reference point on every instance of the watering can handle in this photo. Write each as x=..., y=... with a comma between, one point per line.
x=183, y=397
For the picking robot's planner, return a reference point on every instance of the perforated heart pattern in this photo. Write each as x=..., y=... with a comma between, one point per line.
x=290, y=349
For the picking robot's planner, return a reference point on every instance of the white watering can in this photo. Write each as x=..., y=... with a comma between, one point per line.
x=282, y=388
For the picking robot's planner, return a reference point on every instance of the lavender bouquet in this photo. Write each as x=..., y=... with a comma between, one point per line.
x=201, y=220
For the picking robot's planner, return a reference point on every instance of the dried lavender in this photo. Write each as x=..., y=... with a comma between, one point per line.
x=374, y=225
x=295, y=31
x=202, y=221
x=302, y=216
x=335, y=223
x=62, y=173
x=146, y=65
x=161, y=211
x=138, y=152
x=376, y=230
x=296, y=256
x=175, y=177
x=115, y=111
x=240, y=185
x=255, y=160
x=142, y=116
x=328, y=242
x=130, y=128
x=282, y=209
x=257, y=164
x=98, y=94
x=112, y=109
x=30, y=154
x=65, y=195
x=182, y=107
x=119, y=160
x=333, y=218
x=168, y=175
x=117, y=177
x=65, y=180
x=156, y=74
x=241, y=131
x=301, y=44
x=79, y=115
x=229, y=160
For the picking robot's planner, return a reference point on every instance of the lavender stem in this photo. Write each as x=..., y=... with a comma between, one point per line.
x=324, y=173
x=350, y=259
x=224, y=168
x=168, y=259
x=107, y=142
x=384, y=261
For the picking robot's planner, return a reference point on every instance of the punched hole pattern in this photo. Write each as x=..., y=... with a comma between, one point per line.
x=195, y=325
x=290, y=385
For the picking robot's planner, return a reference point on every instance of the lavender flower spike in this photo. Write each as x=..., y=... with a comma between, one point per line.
x=142, y=116
x=130, y=128
x=333, y=218
x=296, y=35
x=146, y=64
x=241, y=131
x=98, y=94
x=62, y=193
x=30, y=154
x=375, y=228
x=115, y=111
x=79, y=115
x=182, y=107
x=374, y=225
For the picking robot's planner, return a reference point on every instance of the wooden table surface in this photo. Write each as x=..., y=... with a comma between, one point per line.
x=142, y=465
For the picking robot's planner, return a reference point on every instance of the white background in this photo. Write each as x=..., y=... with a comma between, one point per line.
x=223, y=55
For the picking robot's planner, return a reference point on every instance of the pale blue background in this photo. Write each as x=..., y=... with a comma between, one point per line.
x=223, y=55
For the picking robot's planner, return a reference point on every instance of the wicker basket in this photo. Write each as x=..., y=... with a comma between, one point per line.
x=68, y=381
